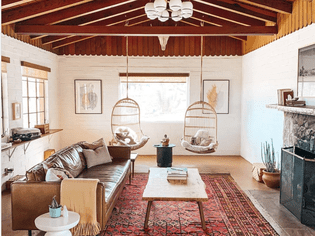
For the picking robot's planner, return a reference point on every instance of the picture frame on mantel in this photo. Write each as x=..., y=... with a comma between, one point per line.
x=306, y=72
x=88, y=96
x=217, y=93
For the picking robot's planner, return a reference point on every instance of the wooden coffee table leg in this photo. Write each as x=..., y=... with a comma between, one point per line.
x=147, y=215
x=202, y=217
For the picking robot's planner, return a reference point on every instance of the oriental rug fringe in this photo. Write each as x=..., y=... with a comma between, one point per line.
x=228, y=212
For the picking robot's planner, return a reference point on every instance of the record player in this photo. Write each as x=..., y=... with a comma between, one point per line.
x=25, y=134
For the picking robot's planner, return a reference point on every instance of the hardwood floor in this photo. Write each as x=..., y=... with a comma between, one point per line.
x=264, y=198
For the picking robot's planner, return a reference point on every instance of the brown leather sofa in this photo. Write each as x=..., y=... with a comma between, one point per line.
x=31, y=198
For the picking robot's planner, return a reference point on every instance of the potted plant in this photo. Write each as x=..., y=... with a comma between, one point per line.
x=271, y=175
x=54, y=208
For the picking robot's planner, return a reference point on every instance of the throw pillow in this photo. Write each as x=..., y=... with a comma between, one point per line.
x=94, y=145
x=97, y=157
x=57, y=174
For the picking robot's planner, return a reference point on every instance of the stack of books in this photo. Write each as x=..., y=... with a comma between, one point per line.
x=296, y=103
x=177, y=173
x=283, y=95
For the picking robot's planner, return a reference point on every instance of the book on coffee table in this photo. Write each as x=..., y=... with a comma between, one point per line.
x=177, y=173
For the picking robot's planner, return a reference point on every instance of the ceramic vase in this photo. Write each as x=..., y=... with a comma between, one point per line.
x=272, y=180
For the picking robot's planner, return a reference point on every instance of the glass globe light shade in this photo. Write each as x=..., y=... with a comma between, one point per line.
x=176, y=15
x=175, y=5
x=149, y=8
x=187, y=14
x=187, y=7
x=164, y=16
x=153, y=16
x=160, y=5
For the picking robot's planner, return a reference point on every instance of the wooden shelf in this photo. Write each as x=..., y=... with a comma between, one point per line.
x=27, y=143
x=305, y=110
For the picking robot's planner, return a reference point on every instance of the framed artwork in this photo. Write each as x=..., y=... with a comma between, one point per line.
x=88, y=96
x=16, y=110
x=216, y=93
x=306, y=71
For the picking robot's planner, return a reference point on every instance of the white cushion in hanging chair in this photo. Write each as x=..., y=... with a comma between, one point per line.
x=144, y=139
x=126, y=135
x=197, y=148
x=202, y=137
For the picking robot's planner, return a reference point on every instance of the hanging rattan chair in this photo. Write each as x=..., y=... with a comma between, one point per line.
x=125, y=121
x=200, y=125
x=125, y=124
x=200, y=128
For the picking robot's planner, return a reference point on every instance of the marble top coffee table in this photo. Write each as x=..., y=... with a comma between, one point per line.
x=159, y=189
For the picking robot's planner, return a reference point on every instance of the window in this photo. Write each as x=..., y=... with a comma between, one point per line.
x=161, y=97
x=34, y=94
x=4, y=99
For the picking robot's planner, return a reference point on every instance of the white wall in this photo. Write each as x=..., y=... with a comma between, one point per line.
x=90, y=127
x=18, y=51
x=265, y=70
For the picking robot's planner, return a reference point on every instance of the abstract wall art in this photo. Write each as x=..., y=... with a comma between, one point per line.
x=216, y=93
x=88, y=96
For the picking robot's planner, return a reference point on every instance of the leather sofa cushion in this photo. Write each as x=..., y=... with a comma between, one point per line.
x=36, y=173
x=110, y=175
x=71, y=160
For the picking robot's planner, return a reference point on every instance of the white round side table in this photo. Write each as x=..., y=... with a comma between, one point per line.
x=57, y=226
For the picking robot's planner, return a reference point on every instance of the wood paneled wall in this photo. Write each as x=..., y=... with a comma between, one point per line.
x=8, y=30
x=150, y=46
x=303, y=14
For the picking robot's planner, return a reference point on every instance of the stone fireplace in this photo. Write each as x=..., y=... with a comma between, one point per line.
x=299, y=130
x=297, y=188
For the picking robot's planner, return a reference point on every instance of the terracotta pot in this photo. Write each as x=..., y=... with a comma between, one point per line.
x=272, y=180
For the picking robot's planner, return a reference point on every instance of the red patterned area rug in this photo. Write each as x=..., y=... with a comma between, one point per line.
x=228, y=212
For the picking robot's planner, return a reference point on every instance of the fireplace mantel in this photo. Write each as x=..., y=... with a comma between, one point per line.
x=305, y=110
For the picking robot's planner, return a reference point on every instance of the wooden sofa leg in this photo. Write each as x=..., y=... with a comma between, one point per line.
x=129, y=179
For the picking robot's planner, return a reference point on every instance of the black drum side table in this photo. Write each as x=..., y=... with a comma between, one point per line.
x=164, y=155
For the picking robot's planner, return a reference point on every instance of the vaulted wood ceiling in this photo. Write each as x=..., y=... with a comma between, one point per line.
x=99, y=27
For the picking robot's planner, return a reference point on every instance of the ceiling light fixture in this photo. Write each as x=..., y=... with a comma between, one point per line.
x=158, y=9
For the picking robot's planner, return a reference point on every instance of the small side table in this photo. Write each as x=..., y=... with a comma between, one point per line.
x=164, y=155
x=133, y=157
x=57, y=226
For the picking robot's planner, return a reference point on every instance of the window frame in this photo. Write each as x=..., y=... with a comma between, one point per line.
x=32, y=73
x=154, y=78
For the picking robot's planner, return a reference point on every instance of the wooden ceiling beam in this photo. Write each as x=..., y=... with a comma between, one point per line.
x=280, y=6
x=107, y=22
x=76, y=12
x=196, y=22
x=251, y=7
x=118, y=13
x=12, y=3
x=37, y=9
x=70, y=40
x=226, y=15
x=240, y=10
x=144, y=31
x=212, y=20
x=110, y=13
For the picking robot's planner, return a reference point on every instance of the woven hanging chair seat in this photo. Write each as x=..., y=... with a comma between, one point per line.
x=125, y=124
x=200, y=129
x=199, y=149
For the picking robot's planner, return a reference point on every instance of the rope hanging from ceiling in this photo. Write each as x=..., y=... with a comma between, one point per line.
x=125, y=120
x=200, y=124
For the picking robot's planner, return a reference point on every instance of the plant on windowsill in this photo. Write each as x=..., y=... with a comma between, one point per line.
x=271, y=175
